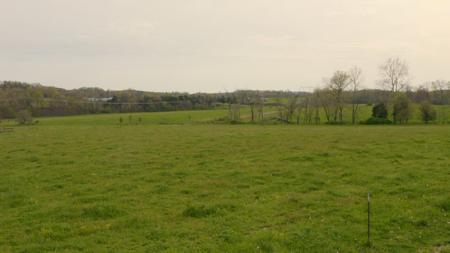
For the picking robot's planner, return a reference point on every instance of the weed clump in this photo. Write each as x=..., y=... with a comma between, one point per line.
x=199, y=212
x=445, y=205
x=204, y=211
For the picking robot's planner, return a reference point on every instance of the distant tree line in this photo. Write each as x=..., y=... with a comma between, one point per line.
x=42, y=100
x=39, y=100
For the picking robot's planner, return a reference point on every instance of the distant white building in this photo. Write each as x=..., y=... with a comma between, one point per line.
x=99, y=99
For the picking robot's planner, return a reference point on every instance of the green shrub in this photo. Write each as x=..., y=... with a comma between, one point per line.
x=402, y=109
x=380, y=111
x=24, y=117
x=427, y=112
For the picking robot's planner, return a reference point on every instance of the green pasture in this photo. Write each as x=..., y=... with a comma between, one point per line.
x=88, y=184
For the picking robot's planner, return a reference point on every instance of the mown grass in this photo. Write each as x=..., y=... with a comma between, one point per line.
x=85, y=184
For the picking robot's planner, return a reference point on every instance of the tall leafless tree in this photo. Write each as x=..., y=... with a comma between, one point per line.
x=324, y=99
x=394, y=74
x=253, y=109
x=298, y=113
x=256, y=102
x=355, y=76
x=315, y=101
x=259, y=107
x=234, y=113
x=291, y=107
x=337, y=85
x=305, y=105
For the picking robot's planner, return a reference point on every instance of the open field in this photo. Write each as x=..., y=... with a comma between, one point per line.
x=85, y=184
x=175, y=117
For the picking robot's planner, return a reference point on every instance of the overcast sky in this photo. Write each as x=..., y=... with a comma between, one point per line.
x=218, y=45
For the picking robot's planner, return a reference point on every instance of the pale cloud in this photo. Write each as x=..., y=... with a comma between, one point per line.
x=212, y=45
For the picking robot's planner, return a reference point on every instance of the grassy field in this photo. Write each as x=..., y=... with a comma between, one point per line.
x=175, y=117
x=86, y=184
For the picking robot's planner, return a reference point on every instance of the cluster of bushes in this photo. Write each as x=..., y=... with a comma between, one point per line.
x=401, y=112
x=24, y=117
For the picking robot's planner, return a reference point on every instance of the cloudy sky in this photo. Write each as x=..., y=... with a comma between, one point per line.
x=218, y=45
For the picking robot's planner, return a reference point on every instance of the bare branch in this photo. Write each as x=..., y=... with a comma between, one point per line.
x=394, y=73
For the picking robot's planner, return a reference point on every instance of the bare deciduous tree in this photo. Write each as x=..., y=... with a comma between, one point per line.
x=291, y=106
x=304, y=108
x=307, y=111
x=280, y=108
x=253, y=110
x=234, y=113
x=355, y=76
x=324, y=99
x=315, y=101
x=287, y=109
x=256, y=107
x=260, y=108
x=338, y=83
x=394, y=74
x=298, y=113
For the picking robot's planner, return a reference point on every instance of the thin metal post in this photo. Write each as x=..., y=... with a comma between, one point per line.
x=368, y=219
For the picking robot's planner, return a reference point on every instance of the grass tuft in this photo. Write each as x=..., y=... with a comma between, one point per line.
x=199, y=212
x=101, y=212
